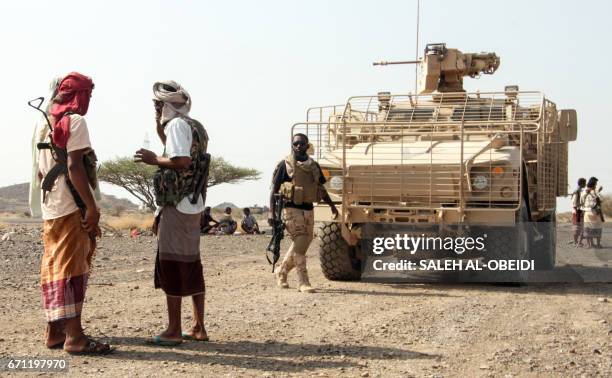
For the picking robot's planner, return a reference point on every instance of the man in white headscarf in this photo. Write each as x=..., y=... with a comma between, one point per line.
x=174, y=100
x=178, y=268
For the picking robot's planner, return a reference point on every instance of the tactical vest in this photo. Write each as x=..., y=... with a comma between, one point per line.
x=304, y=186
x=171, y=186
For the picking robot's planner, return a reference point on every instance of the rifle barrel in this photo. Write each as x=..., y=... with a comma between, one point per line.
x=385, y=63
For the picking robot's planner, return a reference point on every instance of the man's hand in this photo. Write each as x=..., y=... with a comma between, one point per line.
x=91, y=221
x=146, y=156
x=271, y=222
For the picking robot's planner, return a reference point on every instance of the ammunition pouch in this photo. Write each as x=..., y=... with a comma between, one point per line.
x=165, y=184
x=170, y=189
x=287, y=191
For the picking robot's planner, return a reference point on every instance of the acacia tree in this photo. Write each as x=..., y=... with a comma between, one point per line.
x=137, y=178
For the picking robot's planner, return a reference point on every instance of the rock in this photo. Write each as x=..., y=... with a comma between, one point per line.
x=602, y=300
x=365, y=374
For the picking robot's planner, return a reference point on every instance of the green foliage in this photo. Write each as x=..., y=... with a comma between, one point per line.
x=134, y=177
x=222, y=172
x=137, y=178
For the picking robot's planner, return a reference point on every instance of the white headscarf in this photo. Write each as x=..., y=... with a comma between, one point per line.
x=176, y=99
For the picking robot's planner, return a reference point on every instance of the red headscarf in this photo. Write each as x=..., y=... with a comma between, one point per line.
x=72, y=97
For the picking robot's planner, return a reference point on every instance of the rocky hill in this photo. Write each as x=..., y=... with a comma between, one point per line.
x=14, y=199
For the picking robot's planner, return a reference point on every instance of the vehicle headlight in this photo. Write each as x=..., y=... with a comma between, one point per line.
x=480, y=182
x=336, y=182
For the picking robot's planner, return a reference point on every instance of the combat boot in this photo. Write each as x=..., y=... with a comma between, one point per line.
x=281, y=279
x=304, y=283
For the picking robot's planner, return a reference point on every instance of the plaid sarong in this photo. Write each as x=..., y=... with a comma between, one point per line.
x=65, y=266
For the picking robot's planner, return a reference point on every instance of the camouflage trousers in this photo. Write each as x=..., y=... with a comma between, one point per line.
x=300, y=227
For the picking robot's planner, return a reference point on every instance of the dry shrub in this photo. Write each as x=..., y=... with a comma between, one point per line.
x=129, y=221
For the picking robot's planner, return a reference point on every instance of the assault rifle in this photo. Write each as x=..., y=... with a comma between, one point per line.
x=278, y=231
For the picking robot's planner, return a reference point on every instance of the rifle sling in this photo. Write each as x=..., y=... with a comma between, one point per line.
x=61, y=168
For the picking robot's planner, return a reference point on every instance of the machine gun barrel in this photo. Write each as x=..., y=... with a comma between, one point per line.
x=386, y=63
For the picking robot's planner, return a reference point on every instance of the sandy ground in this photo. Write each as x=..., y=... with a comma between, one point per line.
x=346, y=329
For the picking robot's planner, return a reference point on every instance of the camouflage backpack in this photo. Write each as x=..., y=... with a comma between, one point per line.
x=171, y=186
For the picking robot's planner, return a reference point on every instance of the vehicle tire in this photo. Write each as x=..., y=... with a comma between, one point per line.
x=511, y=243
x=337, y=258
x=544, y=251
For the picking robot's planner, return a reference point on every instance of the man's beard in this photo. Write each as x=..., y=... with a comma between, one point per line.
x=300, y=156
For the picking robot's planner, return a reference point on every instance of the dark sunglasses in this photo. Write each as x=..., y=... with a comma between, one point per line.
x=299, y=143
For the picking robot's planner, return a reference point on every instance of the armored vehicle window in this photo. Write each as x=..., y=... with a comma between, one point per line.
x=408, y=115
x=478, y=113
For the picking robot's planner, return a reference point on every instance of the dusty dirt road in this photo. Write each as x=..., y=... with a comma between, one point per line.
x=346, y=329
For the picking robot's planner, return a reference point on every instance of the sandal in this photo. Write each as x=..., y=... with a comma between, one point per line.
x=93, y=348
x=189, y=337
x=157, y=340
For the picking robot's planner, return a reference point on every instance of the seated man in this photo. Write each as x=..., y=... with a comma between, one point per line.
x=227, y=225
x=206, y=220
x=249, y=223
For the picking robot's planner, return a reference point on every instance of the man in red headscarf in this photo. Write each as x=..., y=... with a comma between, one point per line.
x=71, y=217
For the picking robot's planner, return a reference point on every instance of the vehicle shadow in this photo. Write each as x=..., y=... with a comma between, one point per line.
x=268, y=356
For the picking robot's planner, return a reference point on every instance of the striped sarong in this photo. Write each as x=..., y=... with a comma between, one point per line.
x=178, y=268
x=65, y=266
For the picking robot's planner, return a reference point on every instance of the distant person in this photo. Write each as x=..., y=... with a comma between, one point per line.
x=207, y=222
x=298, y=170
x=577, y=213
x=593, y=215
x=71, y=217
x=178, y=267
x=249, y=223
x=227, y=224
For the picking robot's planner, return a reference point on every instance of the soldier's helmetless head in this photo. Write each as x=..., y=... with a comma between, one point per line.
x=299, y=144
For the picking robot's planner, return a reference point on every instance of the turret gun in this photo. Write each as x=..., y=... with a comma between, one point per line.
x=442, y=69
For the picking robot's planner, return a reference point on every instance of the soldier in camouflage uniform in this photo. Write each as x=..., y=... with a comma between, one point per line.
x=300, y=181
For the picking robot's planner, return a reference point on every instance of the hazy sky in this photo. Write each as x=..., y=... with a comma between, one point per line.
x=253, y=67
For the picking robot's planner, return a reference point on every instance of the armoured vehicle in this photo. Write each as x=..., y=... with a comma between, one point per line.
x=442, y=157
